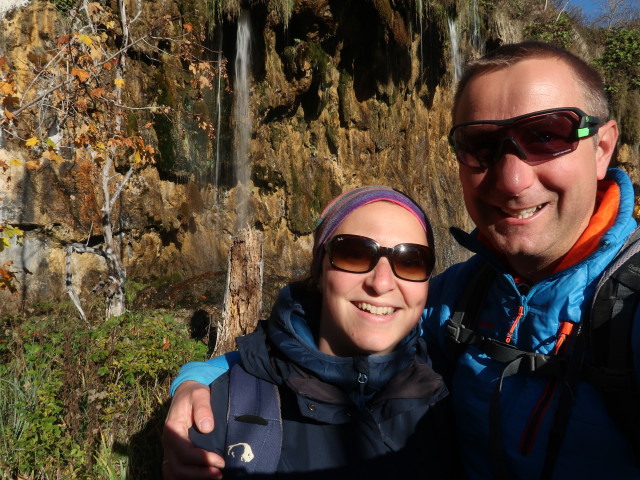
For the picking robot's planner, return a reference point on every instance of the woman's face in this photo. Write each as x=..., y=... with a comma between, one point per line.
x=370, y=313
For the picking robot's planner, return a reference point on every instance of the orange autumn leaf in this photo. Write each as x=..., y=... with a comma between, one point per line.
x=97, y=92
x=62, y=40
x=31, y=165
x=6, y=88
x=80, y=74
x=53, y=157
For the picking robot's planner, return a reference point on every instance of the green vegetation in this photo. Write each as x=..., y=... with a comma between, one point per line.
x=558, y=31
x=78, y=402
x=620, y=62
x=621, y=69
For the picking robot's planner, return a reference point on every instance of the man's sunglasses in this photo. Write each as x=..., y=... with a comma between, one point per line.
x=534, y=137
x=357, y=254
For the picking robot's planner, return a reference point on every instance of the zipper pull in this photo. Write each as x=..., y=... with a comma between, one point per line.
x=514, y=324
x=362, y=381
x=563, y=332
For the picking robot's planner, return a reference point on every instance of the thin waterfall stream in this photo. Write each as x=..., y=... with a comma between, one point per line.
x=241, y=114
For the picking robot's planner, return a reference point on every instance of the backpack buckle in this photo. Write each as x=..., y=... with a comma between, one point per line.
x=453, y=331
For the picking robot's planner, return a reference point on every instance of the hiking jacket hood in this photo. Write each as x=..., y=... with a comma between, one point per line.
x=593, y=446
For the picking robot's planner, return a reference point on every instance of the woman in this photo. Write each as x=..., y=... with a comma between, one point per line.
x=358, y=396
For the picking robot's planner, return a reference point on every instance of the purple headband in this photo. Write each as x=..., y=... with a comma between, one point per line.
x=341, y=206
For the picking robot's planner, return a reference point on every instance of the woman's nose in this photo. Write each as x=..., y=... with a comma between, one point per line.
x=381, y=278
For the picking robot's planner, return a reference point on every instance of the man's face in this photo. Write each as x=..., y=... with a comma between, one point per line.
x=533, y=214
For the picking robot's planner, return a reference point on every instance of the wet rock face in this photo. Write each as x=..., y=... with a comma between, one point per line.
x=348, y=94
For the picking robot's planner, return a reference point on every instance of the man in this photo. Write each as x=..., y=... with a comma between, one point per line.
x=533, y=145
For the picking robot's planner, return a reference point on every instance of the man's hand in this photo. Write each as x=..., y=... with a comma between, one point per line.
x=190, y=406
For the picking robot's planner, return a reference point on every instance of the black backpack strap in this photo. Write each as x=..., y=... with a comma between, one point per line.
x=605, y=336
x=611, y=368
x=461, y=333
x=254, y=424
x=461, y=327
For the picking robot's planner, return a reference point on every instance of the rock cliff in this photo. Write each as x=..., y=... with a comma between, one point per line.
x=340, y=94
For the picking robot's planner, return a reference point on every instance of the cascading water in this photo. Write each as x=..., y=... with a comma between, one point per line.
x=420, y=15
x=476, y=36
x=456, y=58
x=242, y=130
x=218, y=160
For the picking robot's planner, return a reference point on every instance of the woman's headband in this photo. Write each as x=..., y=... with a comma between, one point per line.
x=335, y=213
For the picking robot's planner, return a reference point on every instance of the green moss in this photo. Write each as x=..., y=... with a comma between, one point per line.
x=319, y=60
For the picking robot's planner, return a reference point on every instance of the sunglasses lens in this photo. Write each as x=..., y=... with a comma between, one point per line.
x=413, y=262
x=356, y=254
x=476, y=145
x=548, y=136
x=541, y=137
x=352, y=253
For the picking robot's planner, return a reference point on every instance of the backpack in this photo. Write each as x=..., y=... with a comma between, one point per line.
x=254, y=425
x=601, y=354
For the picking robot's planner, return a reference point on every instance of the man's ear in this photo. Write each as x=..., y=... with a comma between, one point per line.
x=607, y=138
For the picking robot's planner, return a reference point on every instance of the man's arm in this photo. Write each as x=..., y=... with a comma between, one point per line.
x=191, y=406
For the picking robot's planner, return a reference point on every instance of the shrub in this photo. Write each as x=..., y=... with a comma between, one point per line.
x=79, y=402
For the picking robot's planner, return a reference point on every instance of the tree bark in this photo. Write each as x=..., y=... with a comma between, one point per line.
x=244, y=290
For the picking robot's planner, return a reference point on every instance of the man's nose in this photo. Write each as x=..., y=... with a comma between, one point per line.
x=510, y=173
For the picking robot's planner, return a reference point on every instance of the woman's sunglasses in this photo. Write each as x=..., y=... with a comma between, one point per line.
x=534, y=137
x=357, y=254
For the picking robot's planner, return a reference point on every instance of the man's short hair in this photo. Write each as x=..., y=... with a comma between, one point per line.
x=588, y=78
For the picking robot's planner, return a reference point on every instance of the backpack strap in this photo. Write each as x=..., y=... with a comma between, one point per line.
x=602, y=352
x=254, y=424
x=461, y=326
x=609, y=337
x=461, y=333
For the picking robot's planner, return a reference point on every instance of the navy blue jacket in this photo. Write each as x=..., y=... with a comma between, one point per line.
x=363, y=417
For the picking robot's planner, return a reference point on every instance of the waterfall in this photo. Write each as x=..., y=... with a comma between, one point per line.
x=217, y=158
x=420, y=15
x=476, y=35
x=456, y=58
x=242, y=130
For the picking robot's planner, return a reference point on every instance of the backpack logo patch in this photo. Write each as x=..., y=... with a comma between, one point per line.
x=242, y=451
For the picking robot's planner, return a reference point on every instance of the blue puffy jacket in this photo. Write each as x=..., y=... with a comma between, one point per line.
x=593, y=448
